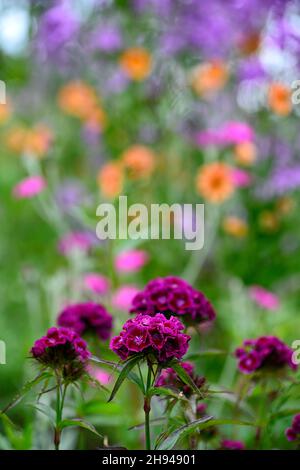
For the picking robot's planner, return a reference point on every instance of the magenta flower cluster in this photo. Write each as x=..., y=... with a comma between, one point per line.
x=266, y=352
x=169, y=378
x=154, y=335
x=173, y=296
x=293, y=432
x=60, y=346
x=87, y=317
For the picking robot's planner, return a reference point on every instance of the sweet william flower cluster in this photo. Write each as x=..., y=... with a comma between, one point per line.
x=264, y=353
x=173, y=296
x=63, y=350
x=156, y=335
x=87, y=317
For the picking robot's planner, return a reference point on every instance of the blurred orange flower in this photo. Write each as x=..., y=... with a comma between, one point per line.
x=136, y=62
x=215, y=182
x=245, y=153
x=110, y=180
x=209, y=77
x=5, y=112
x=279, y=99
x=139, y=161
x=80, y=100
x=235, y=226
x=35, y=141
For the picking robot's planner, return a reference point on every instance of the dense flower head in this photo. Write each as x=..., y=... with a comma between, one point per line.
x=266, y=352
x=293, y=432
x=173, y=296
x=155, y=335
x=169, y=378
x=87, y=317
x=62, y=349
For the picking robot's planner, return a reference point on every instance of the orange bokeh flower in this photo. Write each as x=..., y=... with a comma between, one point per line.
x=110, y=180
x=35, y=141
x=235, y=226
x=209, y=77
x=80, y=100
x=279, y=99
x=139, y=161
x=136, y=62
x=5, y=112
x=215, y=182
x=245, y=153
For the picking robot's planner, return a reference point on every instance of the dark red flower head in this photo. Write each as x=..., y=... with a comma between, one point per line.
x=266, y=352
x=155, y=335
x=169, y=378
x=173, y=296
x=62, y=349
x=293, y=433
x=85, y=317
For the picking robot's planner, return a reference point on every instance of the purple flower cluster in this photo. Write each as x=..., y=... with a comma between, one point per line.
x=155, y=335
x=60, y=346
x=85, y=317
x=266, y=352
x=173, y=296
x=293, y=433
x=169, y=378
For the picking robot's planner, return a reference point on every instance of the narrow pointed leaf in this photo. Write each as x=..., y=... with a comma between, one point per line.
x=66, y=423
x=184, y=376
x=180, y=433
x=118, y=367
x=124, y=373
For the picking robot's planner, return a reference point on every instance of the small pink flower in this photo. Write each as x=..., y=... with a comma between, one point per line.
x=123, y=297
x=264, y=298
x=80, y=241
x=241, y=178
x=96, y=283
x=235, y=132
x=103, y=377
x=131, y=261
x=232, y=132
x=29, y=187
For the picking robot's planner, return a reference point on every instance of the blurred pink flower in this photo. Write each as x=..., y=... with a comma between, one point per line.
x=103, y=377
x=241, y=178
x=264, y=298
x=29, y=187
x=232, y=132
x=81, y=241
x=123, y=296
x=131, y=261
x=96, y=283
x=235, y=132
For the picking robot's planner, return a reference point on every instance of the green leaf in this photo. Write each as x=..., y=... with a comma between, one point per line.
x=184, y=376
x=198, y=425
x=118, y=367
x=166, y=392
x=185, y=430
x=124, y=373
x=25, y=389
x=66, y=423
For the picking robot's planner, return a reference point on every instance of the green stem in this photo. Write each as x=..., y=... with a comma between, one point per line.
x=147, y=408
x=60, y=399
